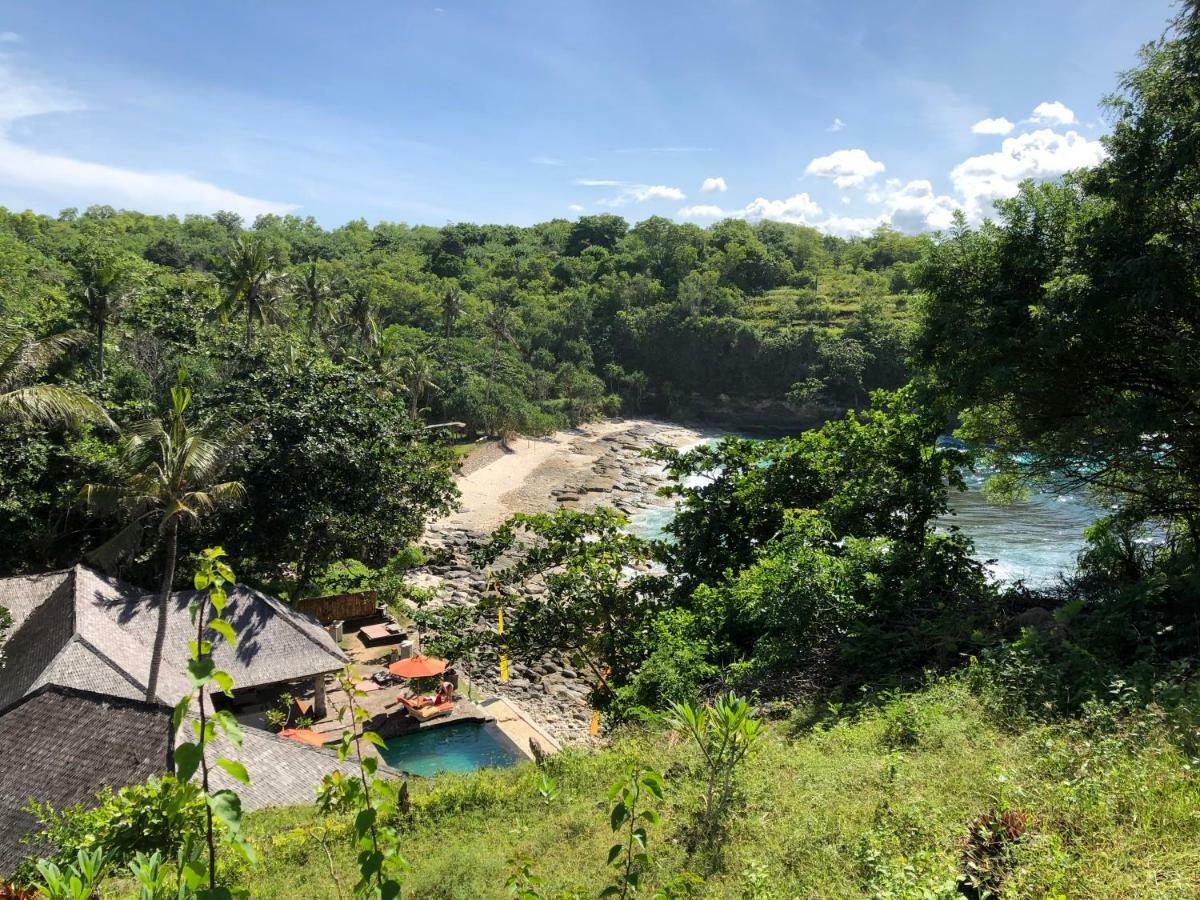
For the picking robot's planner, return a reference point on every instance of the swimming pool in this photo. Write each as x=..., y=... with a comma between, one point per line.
x=459, y=747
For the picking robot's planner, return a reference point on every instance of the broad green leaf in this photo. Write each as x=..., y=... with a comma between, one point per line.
x=235, y=769
x=620, y=813
x=187, y=760
x=223, y=628
x=200, y=671
x=227, y=806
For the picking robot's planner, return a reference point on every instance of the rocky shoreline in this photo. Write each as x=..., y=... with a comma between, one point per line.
x=606, y=468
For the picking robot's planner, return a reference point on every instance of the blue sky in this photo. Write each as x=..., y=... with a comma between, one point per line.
x=835, y=114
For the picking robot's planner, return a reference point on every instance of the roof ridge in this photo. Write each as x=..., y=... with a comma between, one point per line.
x=288, y=612
x=112, y=663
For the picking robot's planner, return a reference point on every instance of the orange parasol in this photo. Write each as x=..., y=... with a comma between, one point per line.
x=304, y=736
x=418, y=667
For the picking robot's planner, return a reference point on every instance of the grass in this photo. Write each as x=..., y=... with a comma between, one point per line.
x=882, y=804
x=879, y=805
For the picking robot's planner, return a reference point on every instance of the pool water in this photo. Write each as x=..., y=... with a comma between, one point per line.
x=458, y=747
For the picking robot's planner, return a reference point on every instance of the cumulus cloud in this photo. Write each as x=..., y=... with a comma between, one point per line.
x=703, y=211
x=713, y=185
x=915, y=206
x=799, y=209
x=9, y=37
x=993, y=126
x=576, y=207
x=847, y=168
x=851, y=226
x=1054, y=113
x=1039, y=155
x=78, y=182
x=836, y=125
x=631, y=192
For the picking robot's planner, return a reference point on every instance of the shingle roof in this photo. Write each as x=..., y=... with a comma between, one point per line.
x=63, y=746
x=282, y=772
x=80, y=629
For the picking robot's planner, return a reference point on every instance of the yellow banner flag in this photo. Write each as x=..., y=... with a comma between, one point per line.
x=503, y=656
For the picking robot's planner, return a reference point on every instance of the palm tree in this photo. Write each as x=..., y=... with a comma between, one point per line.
x=167, y=479
x=250, y=279
x=315, y=293
x=499, y=324
x=22, y=358
x=418, y=378
x=358, y=315
x=105, y=290
x=452, y=308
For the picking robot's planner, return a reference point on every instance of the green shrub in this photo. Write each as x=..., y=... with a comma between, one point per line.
x=161, y=814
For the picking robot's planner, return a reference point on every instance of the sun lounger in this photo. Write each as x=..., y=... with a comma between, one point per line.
x=423, y=709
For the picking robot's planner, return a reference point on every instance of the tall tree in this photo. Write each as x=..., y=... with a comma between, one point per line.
x=358, y=317
x=22, y=359
x=314, y=292
x=168, y=479
x=107, y=284
x=499, y=325
x=1069, y=330
x=418, y=380
x=249, y=275
x=452, y=308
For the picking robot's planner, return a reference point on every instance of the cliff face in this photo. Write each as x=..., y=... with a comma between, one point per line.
x=767, y=415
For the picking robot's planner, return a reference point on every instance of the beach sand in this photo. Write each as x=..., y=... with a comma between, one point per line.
x=497, y=482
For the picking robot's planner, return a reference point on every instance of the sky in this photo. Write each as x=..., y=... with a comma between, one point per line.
x=840, y=114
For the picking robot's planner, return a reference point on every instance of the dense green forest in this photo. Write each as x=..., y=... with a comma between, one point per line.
x=914, y=730
x=292, y=331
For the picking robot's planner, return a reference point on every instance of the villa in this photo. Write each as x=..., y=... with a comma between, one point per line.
x=74, y=716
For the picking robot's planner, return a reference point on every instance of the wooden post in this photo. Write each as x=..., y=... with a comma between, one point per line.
x=319, y=708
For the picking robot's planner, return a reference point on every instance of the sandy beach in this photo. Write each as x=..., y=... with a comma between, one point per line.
x=535, y=474
x=599, y=463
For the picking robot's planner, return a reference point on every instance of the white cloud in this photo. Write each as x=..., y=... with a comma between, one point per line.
x=575, y=208
x=713, y=185
x=850, y=226
x=799, y=209
x=847, y=168
x=915, y=207
x=703, y=212
x=547, y=161
x=9, y=37
x=75, y=182
x=1039, y=155
x=632, y=192
x=82, y=183
x=836, y=125
x=993, y=126
x=1054, y=113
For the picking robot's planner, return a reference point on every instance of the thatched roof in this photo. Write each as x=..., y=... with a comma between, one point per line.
x=63, y=746
x=80, y=629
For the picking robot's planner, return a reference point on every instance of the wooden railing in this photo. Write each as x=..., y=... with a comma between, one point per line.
x=342, y=607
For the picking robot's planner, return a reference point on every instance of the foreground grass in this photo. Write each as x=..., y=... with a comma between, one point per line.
x=879, y=806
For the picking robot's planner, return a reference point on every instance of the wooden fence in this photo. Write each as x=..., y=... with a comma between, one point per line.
x=340, y=607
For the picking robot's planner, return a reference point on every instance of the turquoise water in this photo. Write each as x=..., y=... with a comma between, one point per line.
x=460, y=747
x=1034, y=541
